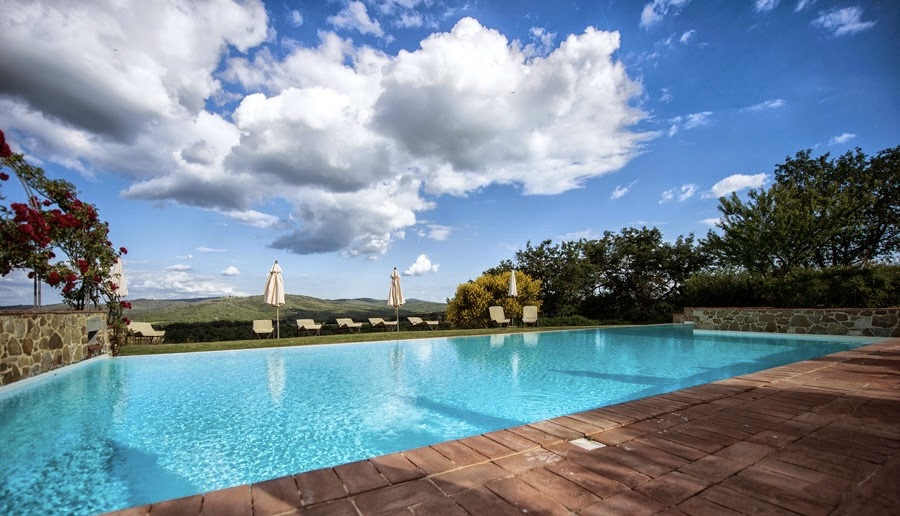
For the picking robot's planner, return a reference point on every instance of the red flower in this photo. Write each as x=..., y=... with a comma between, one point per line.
x=123, y=250
x=126, y=320
x=125, y=304
x=4, y=176
x=83, y=266
x=97, y=279
x=53, y=279
x=5, y=151
x=70, y=278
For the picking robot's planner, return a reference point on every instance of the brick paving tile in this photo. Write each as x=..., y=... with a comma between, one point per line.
x=468, y=477
x=526, y=460
x=782, y=434
x=525, y=497
x=511, y=440
x=535, y=434
x=672, y=488
x=743, y=503
x=626, y=502
x=487, y=447
x=360, y=476
x=877, y=495
x=712, y=425
x=483, y=501
x=696, y=506
x=685, y=452
x=712, y=468
x=396, y=496
x=859, y=437
x=648, y=426
x=671, y=434
x=827, y=487
x=563, y=432
x=654, y=454
x=744, y=452
x=597, y=463
x=744, y=427
x=738, y=382
x=225, y=502
x=439, y=506
x=321, y=485
x=595, y=420
x=625, y=412
x=590, y=480
x=275, y=496
x=777, y=489
x=842, y=448
x=429, y=460
x=701, y=409
x=633, y=461
x=615, y=417
x=619, y=435
x=396, y=468
x=556, y=487
x=459, y=453
x=178, y=507
x=338, y=508
x=577, y=425
x=697, y=430
x=828, y=463
x=742, y=415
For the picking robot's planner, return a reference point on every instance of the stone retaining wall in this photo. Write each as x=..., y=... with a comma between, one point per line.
x=865, y=322
x=32, y=342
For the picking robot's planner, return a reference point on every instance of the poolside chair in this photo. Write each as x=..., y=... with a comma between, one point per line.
x=417, y=322
x=348, y=324
x=309, y=326
x=529, y=315
x=144, y=332
x=263, y=327
x=379, y=323
x=497, y=316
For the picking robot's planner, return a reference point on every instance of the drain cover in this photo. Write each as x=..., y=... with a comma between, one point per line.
x=587, y=444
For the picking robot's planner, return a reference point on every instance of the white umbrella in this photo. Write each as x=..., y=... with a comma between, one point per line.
x=513, y=290
x=274, y=293
x=395, y=296
x=117, y=274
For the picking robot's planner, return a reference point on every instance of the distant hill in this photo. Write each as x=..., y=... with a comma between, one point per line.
x=252, y=307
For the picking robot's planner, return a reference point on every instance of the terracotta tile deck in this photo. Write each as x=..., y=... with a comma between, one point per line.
x=815, y=437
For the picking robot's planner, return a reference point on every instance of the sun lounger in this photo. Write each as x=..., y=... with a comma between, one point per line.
x=497, y=316
x=144, y=332
x=348, y=324
x=417, y=322
x=379, y=323
x=529, y=315
x=263, y=327
x=309, y=326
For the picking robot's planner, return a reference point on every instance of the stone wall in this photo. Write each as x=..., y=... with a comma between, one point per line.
x=34, y=342
x=865, y=322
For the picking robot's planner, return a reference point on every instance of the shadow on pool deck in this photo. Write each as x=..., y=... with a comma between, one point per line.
x=813, y=437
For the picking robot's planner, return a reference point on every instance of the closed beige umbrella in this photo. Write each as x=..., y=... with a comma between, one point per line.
x=117, y=274
x=395, y=296
x=274, y=293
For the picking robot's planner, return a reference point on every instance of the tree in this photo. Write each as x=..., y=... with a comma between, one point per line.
x=54, y=219
x=819, y=212
x=469, y=307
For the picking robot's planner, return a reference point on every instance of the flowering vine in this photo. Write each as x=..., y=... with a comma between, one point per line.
x=53, y=219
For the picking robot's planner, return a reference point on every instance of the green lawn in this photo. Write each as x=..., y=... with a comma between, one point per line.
x=345, y=338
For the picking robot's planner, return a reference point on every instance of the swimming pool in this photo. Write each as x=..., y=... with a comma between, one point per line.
x=113, y=433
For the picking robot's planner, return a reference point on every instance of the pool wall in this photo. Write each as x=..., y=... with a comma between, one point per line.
x=32, y=342
x=855, y=322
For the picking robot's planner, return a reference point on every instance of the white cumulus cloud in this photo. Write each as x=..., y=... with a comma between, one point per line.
x=355, y=16
x=843, y=22
x=736, y=183
x=803, y=4
x=190, y=105
x=768, y=104
x=689, y=121
x=620, y=191
x=764, y=6
x=231, y=271
x=422, y=266
x=843, y=138
x=656, y=10
x=682, y=193
x=686, y=36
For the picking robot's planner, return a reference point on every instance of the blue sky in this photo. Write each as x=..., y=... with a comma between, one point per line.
x=347, y=138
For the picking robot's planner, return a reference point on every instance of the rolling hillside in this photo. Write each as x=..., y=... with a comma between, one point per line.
x=253, y=307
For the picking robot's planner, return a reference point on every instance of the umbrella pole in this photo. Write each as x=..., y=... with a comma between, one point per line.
x=277, y=324
x=397, y=316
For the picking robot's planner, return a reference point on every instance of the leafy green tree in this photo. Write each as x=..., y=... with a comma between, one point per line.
x=469, y=307
x=820, y=212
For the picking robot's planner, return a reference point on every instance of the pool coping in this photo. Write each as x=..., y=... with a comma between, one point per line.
x=819, y=436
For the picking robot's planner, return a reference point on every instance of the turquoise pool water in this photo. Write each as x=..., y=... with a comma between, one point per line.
x=112, y=433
